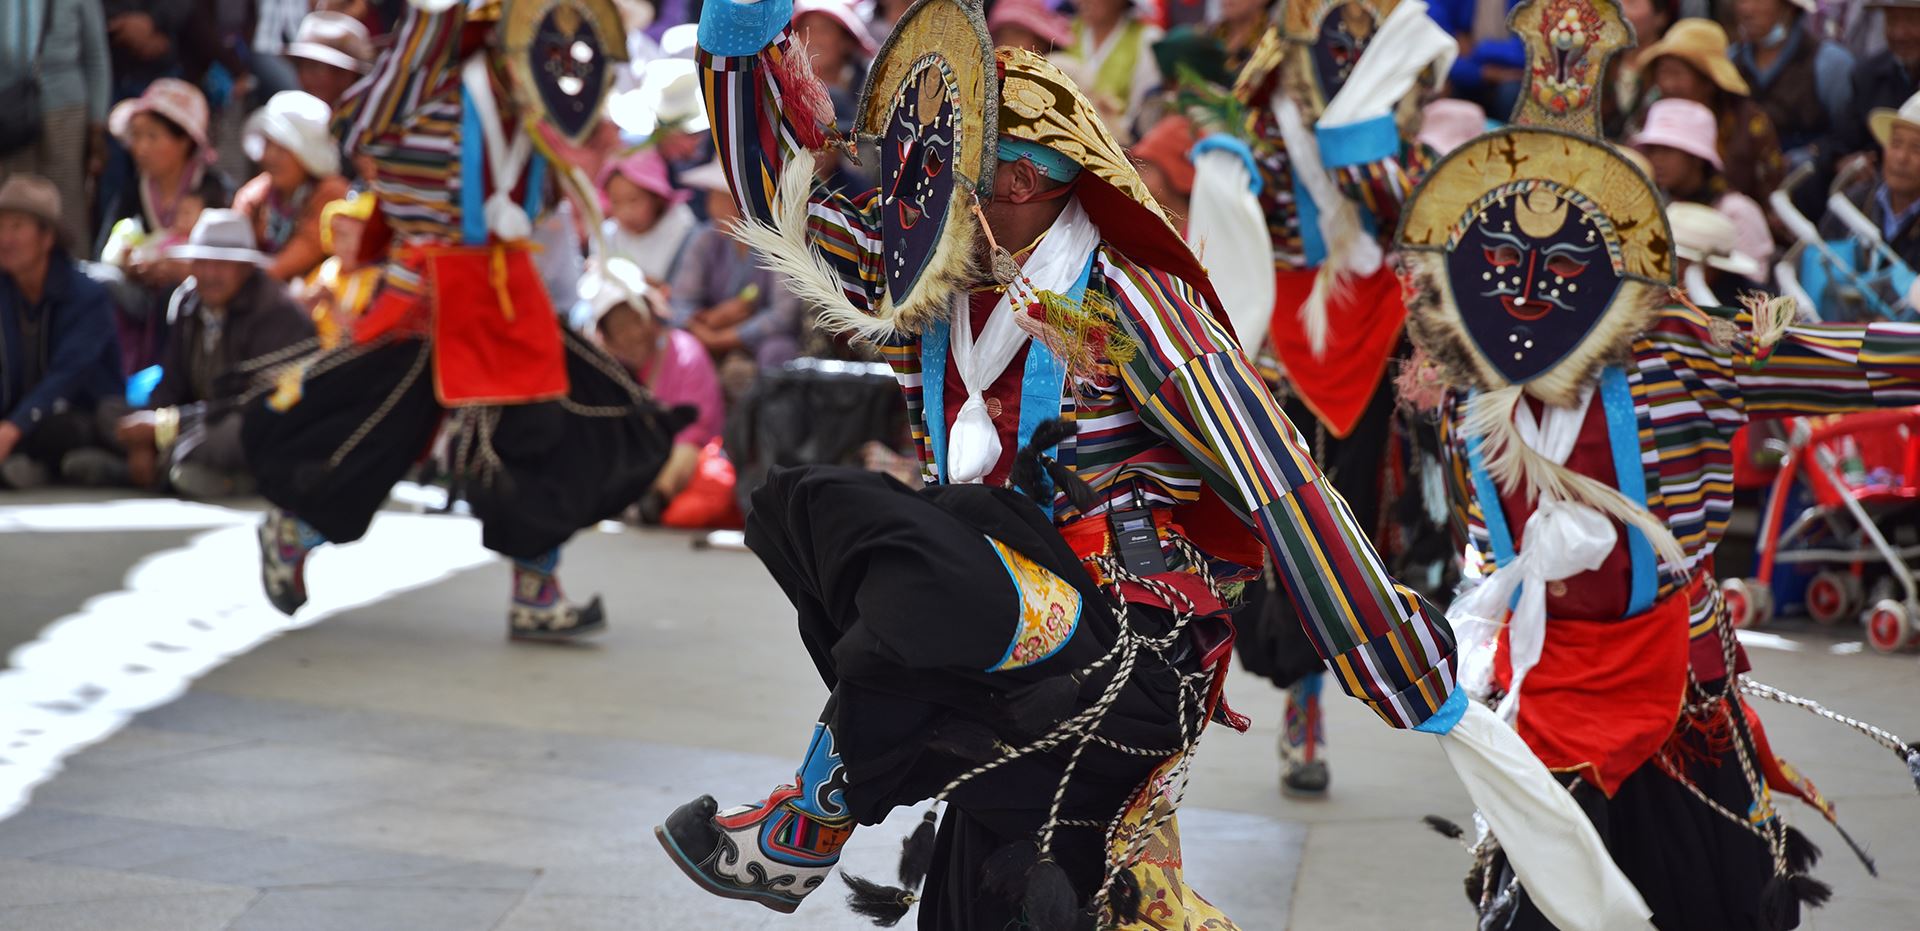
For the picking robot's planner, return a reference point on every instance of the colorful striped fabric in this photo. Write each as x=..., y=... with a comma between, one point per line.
x=1186, y=410
x=1378, y=188
x=1691, y=393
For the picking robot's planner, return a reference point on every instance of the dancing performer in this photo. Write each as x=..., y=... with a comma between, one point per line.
x=477, y=106
x=1589, y=410
x=1037, y=637
x=1331, y=96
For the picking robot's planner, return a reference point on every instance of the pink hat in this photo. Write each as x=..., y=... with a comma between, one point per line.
x=181, y=103
x=648, y=171
x=1684, y=125
x=1449, y=123
x=841, y=10
x=1035, y=17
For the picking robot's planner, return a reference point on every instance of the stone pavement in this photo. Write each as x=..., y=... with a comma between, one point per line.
x=399, y=766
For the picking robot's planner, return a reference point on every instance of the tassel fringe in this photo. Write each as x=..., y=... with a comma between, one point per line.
x=883, y=905
x=916, y=852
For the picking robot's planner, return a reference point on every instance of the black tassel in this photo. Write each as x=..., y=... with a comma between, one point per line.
x=1811, y=892
x=916, y=852
x=1802, y=853
x=1004, y=875
x=1783, y=895
x=884, y=905
x=1050, y=901
x=1038, y=707
x=1078, y=491
x=1445, y=828
x=1124, y=896
x=1032, y=468
x=1858, y=851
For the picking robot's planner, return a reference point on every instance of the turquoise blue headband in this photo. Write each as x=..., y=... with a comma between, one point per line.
x=1049, y=161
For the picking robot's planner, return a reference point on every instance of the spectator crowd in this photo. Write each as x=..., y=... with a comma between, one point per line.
x=176, y=212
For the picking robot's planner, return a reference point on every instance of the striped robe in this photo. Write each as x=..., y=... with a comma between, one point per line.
x=1187, y=410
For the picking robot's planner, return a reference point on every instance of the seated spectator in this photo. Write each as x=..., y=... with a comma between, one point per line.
x=1712, y=268
x=342, y=286
x=232, y=323
x=1239, y=28
x=885, y=14
x=1627, y=78
x=59, y=364
x=628, y=318
x=1891, y=201
x=1162, y=156
x=68, y=55
x=299, y=176
x=1492, y=60
x=329, y=53
x=1111, y=59
x=722, y=296
x=1028, y=24
x=840, y=46
x=1690, y=63
x=648, y=222
x=1679, y=142
x=165, y=132
x=1884, y=80
x=1800, y=79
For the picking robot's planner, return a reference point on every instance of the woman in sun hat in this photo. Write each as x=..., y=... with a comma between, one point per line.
x=1690, y=62
x=1678, y=140
x=299, y=175
x=648, y=221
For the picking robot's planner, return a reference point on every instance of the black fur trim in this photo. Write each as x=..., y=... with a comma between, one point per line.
x=883, y=905
x=1124, y=896
x=916, y=852
x=1444, y=827
x=1050, y=901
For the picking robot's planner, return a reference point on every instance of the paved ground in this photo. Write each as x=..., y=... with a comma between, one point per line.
x=397, y=765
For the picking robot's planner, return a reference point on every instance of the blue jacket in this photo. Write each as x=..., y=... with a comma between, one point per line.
x=81, y=361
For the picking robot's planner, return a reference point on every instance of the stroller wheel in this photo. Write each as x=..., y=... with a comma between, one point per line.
x=1832, y=596
x=1749, y=602
x=1890, y=627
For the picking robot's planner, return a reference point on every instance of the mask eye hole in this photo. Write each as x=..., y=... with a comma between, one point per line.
x=1502, y=256
x=1566, y=266
x=934, y=163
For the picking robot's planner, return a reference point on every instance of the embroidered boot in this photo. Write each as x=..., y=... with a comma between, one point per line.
x=285, y=542
x=774, y=851
x=541, y=613
x=1303, y=764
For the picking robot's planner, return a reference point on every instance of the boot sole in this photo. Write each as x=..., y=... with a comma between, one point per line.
x=779, y=904
x=576, y=635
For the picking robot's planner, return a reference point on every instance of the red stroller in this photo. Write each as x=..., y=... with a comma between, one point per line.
x=1858, y=467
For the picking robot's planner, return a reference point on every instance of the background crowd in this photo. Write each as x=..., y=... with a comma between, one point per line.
x=176, y=212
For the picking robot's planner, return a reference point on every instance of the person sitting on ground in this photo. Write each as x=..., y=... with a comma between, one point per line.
x=1892, y=200
x=1881, y=80
x=340, y=289
x=1690, y=63
x=1111, y=59
x=723, y=297
x=299, y=176
x=165, y=132
x=1678, y=140
x=629, y=319
x=1028, y=24
x=59, y=361
x=648, y=222
x=840, y=48
x=329, y=53
x=1799, y=78
x=231, y=326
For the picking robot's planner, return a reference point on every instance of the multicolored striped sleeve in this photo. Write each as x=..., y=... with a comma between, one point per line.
x=1192, y=385
x=755, y=141
x=417, y=65
x=1812, y=369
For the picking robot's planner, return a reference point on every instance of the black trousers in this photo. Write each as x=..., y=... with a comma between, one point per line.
x=903, y=604
x=370, y=413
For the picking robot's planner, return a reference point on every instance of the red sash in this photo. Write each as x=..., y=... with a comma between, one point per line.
x=496, y=339
x=1364, y=317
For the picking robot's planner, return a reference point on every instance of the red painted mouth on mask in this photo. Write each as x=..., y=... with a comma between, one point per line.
x=1525, y=311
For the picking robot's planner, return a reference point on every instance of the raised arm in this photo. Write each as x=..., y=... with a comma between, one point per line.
x=746, y=49
x=1191, y=384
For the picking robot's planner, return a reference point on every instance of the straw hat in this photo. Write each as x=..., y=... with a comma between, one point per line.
x=1881, y=120
x=221, y=235
x=842, y=11
x=1703, y=234
x=1684, y=125
x=179, y=102
x=1702, y=44
x=32, y=195
x=299, y=122
x=333, y=39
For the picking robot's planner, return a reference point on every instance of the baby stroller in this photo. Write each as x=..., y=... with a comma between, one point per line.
x=1858, y=468
x=1852, y=278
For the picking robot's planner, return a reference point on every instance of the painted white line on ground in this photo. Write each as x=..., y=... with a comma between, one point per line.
x=183, y=612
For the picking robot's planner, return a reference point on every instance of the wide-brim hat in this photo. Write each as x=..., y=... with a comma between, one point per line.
x=1033, y=16
x=221, y=235
x=180, y=103
x=299, y=122
x=335, y=39
x=1684, y=125
x=1703, y=234
x=1880, y=121
x=612, y=283
x=1702, y=44
x=32, y=195
x=647, y=170
x=842, y=11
